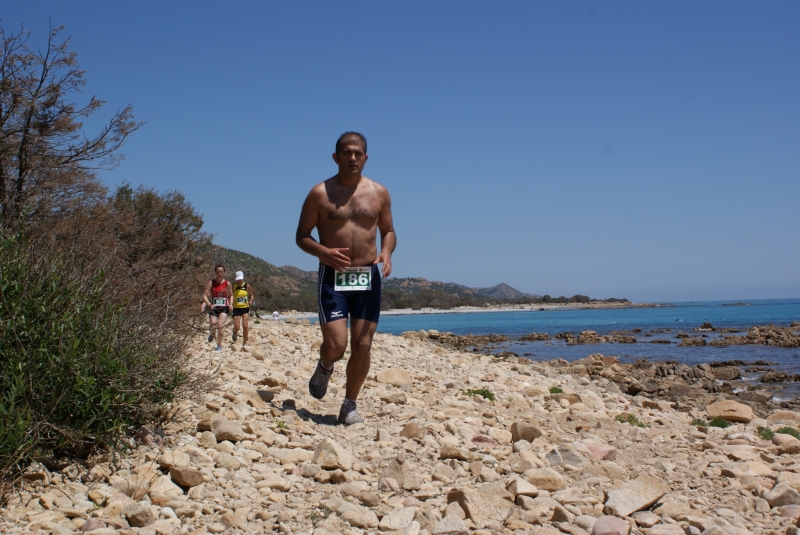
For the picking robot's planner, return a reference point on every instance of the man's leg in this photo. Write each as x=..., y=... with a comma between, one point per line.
x=361, y=334
x=245, y=318
x=334, y=342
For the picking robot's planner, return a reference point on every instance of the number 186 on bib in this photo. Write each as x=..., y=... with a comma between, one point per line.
x=353, y=279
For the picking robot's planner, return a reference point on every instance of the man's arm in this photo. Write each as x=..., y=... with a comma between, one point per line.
x=388, y=237
x=309, y=217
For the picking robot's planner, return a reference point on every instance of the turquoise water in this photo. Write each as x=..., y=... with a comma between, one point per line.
x=678, y=317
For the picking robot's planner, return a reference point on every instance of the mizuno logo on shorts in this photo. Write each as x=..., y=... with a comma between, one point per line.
x=336, y=314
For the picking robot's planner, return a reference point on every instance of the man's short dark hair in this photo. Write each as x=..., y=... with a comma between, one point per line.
x=343, y=137
x=219, y=266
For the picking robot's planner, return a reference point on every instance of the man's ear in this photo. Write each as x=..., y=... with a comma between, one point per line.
x=335, y=158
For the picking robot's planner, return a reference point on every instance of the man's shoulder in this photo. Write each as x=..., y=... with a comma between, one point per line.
x=378, y=187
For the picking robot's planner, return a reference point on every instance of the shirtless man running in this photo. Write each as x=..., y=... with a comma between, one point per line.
x=347, y=210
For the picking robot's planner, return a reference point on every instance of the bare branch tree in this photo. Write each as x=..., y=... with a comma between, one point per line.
x=46, y=158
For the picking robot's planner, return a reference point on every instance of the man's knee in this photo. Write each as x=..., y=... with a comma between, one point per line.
x=334, y=347
x=361, y=344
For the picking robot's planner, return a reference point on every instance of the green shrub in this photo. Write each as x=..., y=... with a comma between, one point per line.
x=765, y=433
x=556, y=390
x=699, y=422
x=76, y=368
x=631, y=419
x=719, y=421
x=789, y=431
x=483, y=392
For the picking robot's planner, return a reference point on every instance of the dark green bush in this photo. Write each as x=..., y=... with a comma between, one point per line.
x=631, y=419
x=788, y=431
x=485, y=393
x=719, y=421
x=556, y=390
x=765, y=433
x=76, y=368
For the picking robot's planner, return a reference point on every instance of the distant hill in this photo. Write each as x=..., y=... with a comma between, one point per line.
x=297, y=272
x=412, y=285
x=503, y=291
x=273, y=277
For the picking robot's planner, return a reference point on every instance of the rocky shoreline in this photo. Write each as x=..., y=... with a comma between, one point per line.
x=454, y=442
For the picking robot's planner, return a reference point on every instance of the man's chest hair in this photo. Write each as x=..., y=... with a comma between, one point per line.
x=357, y=208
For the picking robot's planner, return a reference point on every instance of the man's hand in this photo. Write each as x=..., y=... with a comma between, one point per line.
x=385, y=258
x=336, y=258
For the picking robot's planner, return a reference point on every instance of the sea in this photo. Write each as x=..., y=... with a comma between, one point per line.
x=679, y=317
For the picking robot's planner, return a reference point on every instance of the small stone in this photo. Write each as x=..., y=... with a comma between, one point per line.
x=787, y=444
x=394, y=376
x=521, y=430
x=207, y=440
x=646, y=519
x=634, y=496
x=186, y=476
x=545, y=479
x=781, y=495
x=411, y=430
x=454, y=452
x=521, y=487
x=398, y=519
x=666, y=529
x=611, y=525
x=369, y=499
x=450, y=525
x=398, y=398
x=138, y=515
x=331, y=456
x=165, y=487
x=224, y=429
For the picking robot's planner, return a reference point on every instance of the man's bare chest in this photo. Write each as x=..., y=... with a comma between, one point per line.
x=362, y=210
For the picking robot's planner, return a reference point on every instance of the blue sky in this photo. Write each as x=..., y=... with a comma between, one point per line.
x=630, y=149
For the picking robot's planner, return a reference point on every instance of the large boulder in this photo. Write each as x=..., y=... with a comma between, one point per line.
x=730, y=410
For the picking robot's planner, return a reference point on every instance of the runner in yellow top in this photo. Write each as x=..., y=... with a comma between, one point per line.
x=242, y=299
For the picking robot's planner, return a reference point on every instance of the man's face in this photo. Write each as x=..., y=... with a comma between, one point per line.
x=351, y=158
x=220, y=271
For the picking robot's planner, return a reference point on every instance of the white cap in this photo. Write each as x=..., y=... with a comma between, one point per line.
x=240, y=275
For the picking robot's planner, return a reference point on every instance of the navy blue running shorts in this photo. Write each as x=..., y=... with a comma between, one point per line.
x=359, y=304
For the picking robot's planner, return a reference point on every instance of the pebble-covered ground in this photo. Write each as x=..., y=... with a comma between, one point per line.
x=259, y=455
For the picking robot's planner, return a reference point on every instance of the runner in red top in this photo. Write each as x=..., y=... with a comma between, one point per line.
x=220, y=292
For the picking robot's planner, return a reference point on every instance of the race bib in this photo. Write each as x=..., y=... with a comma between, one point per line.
x=220, y=302
x=241, y=300
x=353, y=279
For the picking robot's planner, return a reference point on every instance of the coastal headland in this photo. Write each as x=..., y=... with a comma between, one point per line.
x=454, y=442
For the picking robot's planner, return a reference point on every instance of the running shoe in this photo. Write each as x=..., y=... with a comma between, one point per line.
x=219, y=348
x=318, y=384
x=235, y=335
x=210, y=338
x=348, y=415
